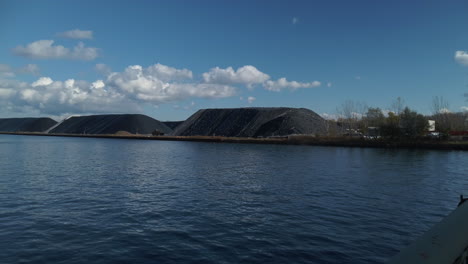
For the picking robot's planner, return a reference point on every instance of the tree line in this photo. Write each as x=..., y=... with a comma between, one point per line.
x=400, y=121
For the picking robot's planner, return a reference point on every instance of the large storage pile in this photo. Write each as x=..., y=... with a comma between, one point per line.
x=252, y=122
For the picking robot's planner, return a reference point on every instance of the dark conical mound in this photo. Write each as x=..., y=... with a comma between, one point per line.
x=40, y=124
x=252, y=122
x=110, y=124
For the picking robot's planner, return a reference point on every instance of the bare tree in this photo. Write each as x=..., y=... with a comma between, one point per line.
x=398, y=105
x=441, y=114
x=439, y=105
x=350, y=112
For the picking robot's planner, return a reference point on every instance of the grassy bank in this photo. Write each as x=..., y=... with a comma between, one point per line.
x=291, y=140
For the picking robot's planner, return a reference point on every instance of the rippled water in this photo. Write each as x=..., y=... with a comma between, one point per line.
x=78, y=200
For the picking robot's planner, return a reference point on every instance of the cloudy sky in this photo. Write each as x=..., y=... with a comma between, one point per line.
x=168, y=59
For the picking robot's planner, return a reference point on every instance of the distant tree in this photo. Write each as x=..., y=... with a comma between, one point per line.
x=350, y=113
x=374, y=117
x=391, y=126
x=439, y=105
x=440, y=114
x=398, y=105
x=412, y=124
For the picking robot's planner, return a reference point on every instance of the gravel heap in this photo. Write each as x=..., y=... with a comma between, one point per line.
x=172, y=124
x=40, y=124
x=111, y=124
x=252, y=122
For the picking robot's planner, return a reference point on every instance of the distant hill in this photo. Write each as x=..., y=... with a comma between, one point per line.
x=172, y=124
x=252, y=122
x=111, y=124
x=28, y=124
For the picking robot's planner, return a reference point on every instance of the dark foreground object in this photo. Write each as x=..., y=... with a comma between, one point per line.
x=26, y=124
x=252, y=122
x=111, y=124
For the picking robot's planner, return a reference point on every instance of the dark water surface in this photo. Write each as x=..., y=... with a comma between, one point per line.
x=78, y=200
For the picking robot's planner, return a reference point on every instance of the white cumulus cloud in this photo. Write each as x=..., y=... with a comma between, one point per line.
x=166, y=73
x=147, y=84
x=461, y=57
x=43, y=81
x=77, y=34
x=99, y=84
x=283, y=83
x=128, y=90
x=247, y=75
x=45, y=49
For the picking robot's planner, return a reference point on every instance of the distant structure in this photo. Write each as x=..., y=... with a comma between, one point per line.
x=157, y=133
x=432, y=126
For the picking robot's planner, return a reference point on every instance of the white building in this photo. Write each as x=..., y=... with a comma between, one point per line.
x=431, y=125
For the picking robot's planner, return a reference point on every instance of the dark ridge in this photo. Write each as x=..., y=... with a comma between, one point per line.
x=110, y=124
x=173, y=124
x=252, y=122
x=28, y=124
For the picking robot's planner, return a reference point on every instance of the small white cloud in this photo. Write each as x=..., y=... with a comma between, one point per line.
x=464, y=108
x=247, y=75
x=329, y=84
x=77, y=34
x=251, y=99
x=6, y=71
x=282, y=83
x=99, y=84
x=43, y=81
x=30, y=69
x=357, y=77
x=45, y=49
x=5, y=68
x=329, y=116
x=190, y=106
x=295, y=20
x=461, y=57
x=102, y=69
x=444, y=111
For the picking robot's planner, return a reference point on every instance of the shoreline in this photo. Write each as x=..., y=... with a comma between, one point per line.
x=290, y=140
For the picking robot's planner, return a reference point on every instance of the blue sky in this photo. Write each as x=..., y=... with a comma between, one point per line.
x=168, y=59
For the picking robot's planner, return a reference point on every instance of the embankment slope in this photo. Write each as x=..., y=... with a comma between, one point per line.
x=110, y=124
x=28, y=124
x=172, y=124
x=252, y=122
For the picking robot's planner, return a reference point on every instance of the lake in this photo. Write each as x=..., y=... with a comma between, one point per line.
x=85, y=200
